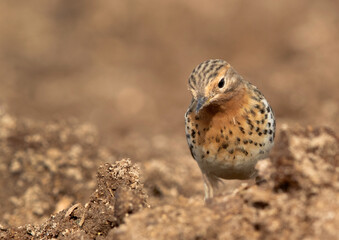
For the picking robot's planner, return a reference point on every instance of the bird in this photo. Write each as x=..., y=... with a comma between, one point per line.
x=229, y=124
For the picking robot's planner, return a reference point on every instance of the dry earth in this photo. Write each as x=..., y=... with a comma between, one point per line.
x=295, y=195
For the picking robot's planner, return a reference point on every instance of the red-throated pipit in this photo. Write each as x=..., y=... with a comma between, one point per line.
x=229, y=124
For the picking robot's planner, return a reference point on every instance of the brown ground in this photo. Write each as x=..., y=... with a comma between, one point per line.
x=86, y=85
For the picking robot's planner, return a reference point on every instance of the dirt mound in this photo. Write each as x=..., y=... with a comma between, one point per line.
x=293, y=197
x=118, y=194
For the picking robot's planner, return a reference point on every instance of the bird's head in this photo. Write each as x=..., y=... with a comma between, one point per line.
x=213, y=82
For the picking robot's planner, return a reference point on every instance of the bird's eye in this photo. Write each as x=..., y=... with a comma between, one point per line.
x=221, y=83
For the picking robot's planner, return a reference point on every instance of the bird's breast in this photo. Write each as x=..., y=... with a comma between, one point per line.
x=228, y=140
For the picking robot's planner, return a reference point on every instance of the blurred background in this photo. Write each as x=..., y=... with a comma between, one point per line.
x=123, y=67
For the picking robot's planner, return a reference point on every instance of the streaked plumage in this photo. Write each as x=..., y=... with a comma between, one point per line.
x=229, y=124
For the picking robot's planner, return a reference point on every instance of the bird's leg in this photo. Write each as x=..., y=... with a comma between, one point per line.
x=210, y=184
x=208, y=187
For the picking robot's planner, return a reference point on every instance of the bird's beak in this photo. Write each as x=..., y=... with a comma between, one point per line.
x=202, y=101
